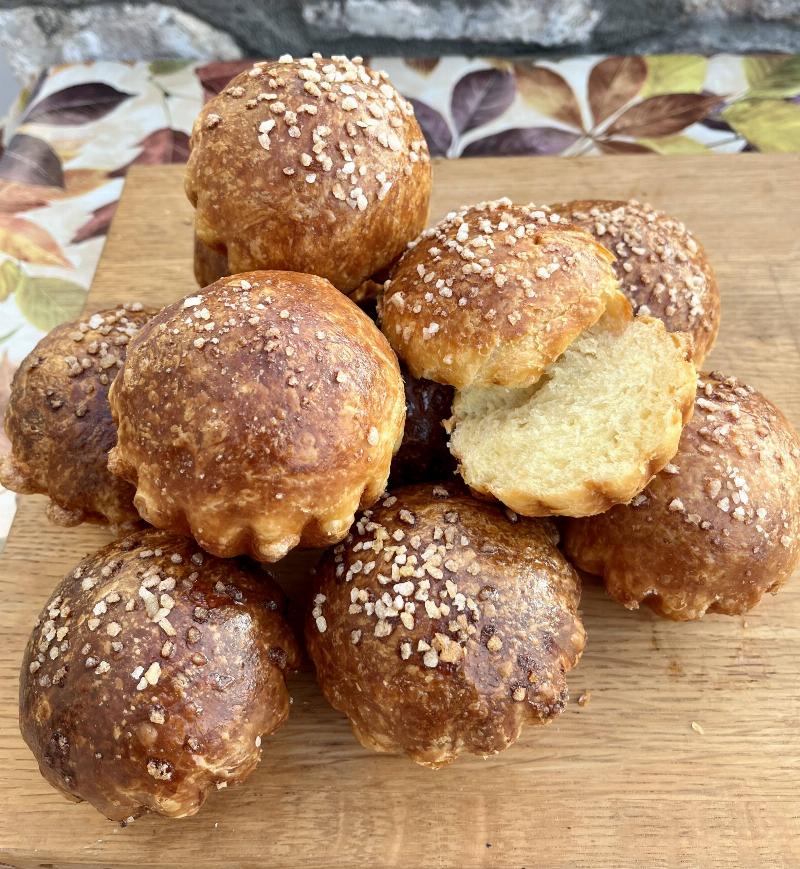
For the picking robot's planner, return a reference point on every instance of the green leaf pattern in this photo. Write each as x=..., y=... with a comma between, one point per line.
x=770, y=125
x=674, y=73
x=772, y=76
x=46, y=302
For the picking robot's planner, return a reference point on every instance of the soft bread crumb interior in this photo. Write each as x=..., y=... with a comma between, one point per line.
x=596, y=420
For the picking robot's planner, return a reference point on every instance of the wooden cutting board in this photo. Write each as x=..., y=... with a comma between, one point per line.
x=622, y=781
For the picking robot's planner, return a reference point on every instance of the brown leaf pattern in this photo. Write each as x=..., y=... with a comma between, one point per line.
x=24, y=240
x=161, y=146
x=215, y=76
x=619, y=146
x=613, y=82
x=15, y=197
x=663, y=115
x=548, y=93
x=97, y=224
x=518, y=141
x=31, y=160
x=77, y=104
x=436, y=129
x=423, y=65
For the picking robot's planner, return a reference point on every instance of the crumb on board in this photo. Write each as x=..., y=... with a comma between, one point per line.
x=584, y=697
x=698, y=728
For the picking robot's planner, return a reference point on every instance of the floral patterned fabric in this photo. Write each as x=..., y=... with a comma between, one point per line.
x=72, y=135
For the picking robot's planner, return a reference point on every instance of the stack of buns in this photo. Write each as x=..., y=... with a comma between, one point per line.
x=527, y=362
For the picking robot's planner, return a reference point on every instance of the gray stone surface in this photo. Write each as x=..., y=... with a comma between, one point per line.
x=33, y=37
x=559, y=22
x=768, y=10
x=42, y=32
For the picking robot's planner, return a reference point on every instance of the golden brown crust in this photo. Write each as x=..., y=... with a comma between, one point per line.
x=152, y=674
x=718, y=527
x=59, y=422
x=661, y=266
x=493, y=294
x=590, y=498
x=209, y=265
x=424, y=454
x=258, y=415
x=444, y=624
x=314, y=165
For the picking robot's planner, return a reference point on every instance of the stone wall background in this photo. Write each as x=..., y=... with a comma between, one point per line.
x=43, y=32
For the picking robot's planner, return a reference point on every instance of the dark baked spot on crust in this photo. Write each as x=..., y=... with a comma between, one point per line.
x=424, y=454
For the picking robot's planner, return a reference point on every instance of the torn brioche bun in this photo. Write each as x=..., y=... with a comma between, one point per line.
x=493, y=294
x=605, y=417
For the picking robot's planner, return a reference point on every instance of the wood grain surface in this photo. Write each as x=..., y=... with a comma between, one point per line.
x=622, y=781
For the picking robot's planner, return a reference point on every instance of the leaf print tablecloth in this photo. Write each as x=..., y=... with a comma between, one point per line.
x=72, y=135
